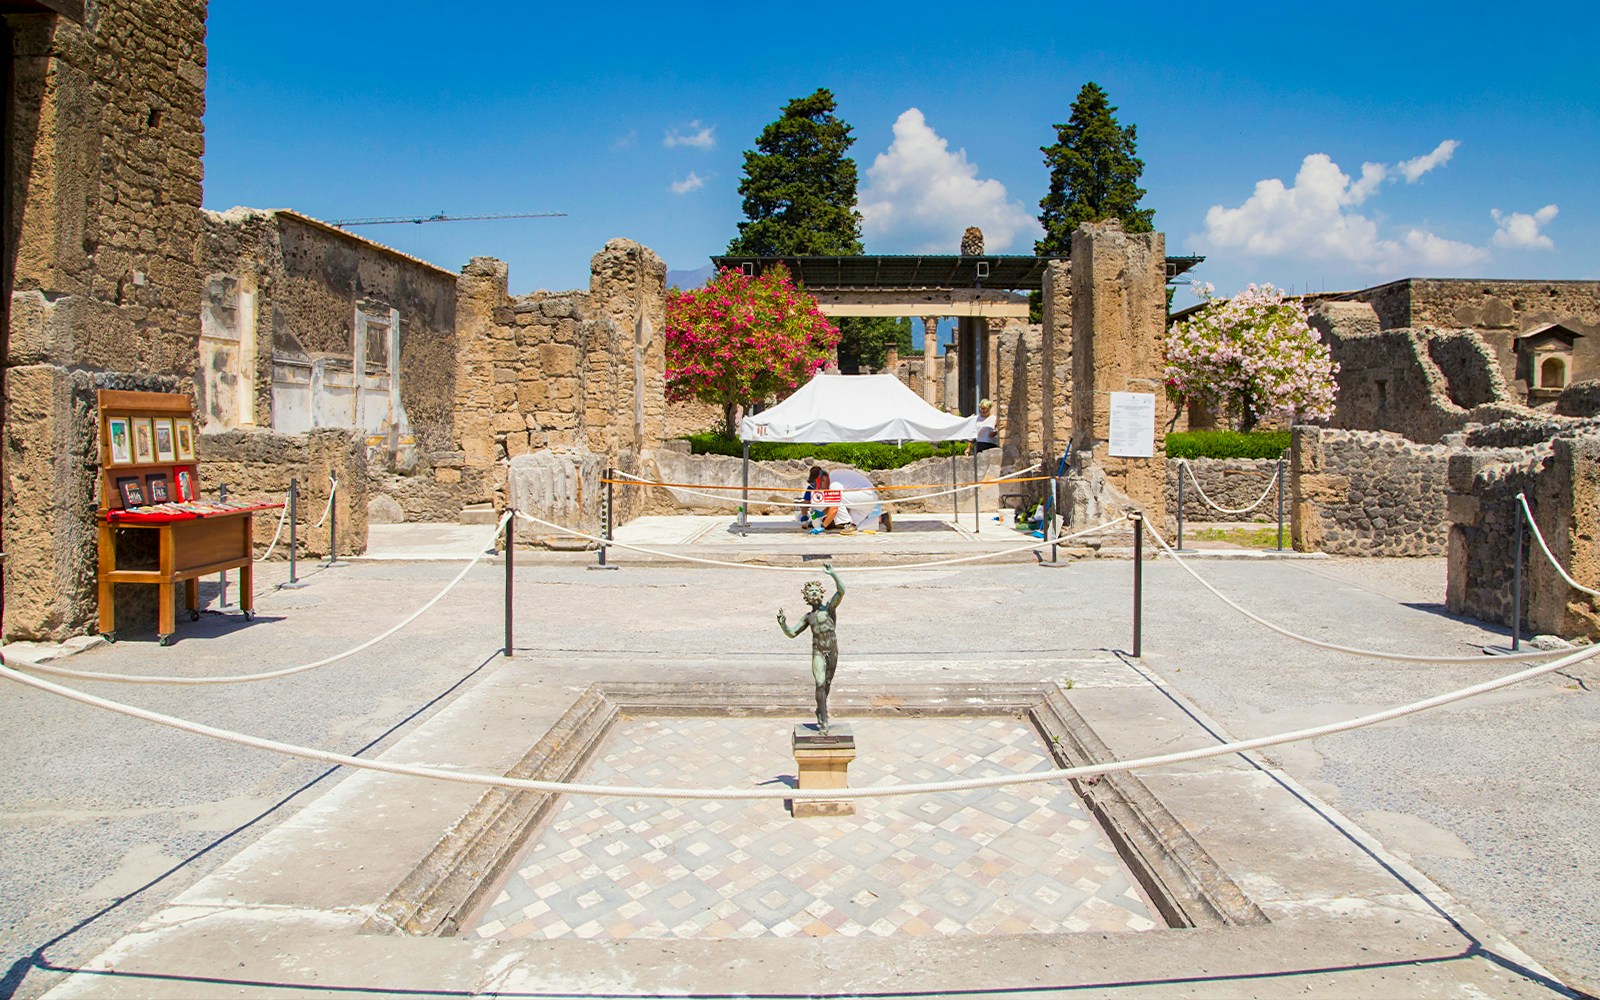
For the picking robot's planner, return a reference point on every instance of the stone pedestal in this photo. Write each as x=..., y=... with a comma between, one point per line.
x=823, y=761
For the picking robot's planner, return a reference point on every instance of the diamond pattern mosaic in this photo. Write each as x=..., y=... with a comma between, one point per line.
x=1025, y=859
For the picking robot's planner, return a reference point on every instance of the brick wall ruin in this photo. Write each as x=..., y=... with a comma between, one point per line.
x=104, y=188
x=577, y=373
x=259, y=466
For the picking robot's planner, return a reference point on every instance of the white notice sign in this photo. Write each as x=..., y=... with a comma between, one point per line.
x=1133, y=425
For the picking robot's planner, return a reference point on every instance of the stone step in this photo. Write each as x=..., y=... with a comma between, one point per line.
x=479, y=513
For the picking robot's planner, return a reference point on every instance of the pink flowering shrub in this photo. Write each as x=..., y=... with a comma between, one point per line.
x=1251, y=356
x=740, y=339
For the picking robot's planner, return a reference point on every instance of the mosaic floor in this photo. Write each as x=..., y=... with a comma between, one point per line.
x=1013, y=860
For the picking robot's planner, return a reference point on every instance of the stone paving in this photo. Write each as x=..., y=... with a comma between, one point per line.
x=1027, y=859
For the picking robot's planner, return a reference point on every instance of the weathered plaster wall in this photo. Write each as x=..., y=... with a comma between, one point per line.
x=1362, y=493
x=105, y=149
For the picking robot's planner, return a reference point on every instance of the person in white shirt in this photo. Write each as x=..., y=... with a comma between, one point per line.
x=988, y=427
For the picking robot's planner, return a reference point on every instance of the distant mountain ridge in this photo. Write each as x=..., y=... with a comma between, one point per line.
x=690, y=279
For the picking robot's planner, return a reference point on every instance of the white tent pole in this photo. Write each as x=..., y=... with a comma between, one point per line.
x=955, y=495
x=744, y=508
x=977, y=507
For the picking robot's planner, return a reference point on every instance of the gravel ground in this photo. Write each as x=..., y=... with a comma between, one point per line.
x=106, y=817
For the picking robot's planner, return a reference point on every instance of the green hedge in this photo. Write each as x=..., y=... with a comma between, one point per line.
x=1227, y=444
x=868, y=456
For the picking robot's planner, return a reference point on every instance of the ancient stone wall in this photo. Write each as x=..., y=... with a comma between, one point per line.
x=1561, y=479
x=104, y=191
x=578, y=373
x=1420, y=383
x=1233, y=483
x=257, y=466
x=1362, y=493
x=1020, y=373
x=1119, y=309
x=1500, y=311
x=1580, y=399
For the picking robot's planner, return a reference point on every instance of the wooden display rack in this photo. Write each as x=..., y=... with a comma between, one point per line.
x=194, y=538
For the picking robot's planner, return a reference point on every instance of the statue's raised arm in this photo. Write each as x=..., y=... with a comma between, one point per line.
x=783, y=623
x=838, y=587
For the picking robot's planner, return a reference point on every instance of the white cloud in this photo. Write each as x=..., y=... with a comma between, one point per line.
x=1414, y=169
x=626, y=141
x=920, y=196
x=698, y=137
x=1521, y=230
x=1315, y=219
x=693, y=182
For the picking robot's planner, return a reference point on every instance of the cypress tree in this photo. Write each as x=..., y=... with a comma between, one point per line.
x=1094, y=174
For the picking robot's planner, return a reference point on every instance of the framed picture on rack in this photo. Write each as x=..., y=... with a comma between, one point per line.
x=121, y=438
x=131, y=490
x=166, y=449
x=144, y=441
x=188, y=487
x=183, y=428
x=156, y=487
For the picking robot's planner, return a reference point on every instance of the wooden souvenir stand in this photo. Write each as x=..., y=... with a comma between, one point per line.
x=147, y=442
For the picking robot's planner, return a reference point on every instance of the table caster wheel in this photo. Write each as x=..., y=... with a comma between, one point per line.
x=166, y=640
x=194, y=616
x=109, y=636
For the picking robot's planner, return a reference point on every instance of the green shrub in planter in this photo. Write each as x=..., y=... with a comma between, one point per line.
x=1227, y=444
x=868, y=456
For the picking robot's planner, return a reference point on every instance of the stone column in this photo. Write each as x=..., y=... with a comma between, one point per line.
x=1118, y=322
x=1055, y=375
x=930, y=359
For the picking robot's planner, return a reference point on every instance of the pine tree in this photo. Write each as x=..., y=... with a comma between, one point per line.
x=799, y=192
x=799, y=187
x=1094, y=174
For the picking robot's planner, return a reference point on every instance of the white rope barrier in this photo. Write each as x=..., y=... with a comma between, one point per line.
x=735, y=499
x=85, y=675
x=575, y=533
x=1334, y=647
x=1184, y=462
x=1538, y=536
x=333, y=488
x=872, y=792
x=276, y=534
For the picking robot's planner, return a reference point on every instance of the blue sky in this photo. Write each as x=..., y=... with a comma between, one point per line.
x=1313, y=148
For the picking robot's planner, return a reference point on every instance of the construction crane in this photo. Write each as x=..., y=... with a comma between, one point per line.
x=441, y=217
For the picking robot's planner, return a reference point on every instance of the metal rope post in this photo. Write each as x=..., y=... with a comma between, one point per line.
x=511, y=549
x=1049, y=524
x=294, y=518
x=605, y=514
x=744, y=505
x=977, y=507
x=1516, y=590
x=222, y=578
x=1181, y=470
x=1280, y=505
x=1138, y=580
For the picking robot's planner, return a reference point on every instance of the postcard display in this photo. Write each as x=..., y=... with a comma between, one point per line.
x=149, y=482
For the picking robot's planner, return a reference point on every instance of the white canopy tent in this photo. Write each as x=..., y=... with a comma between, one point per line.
x=856, y=408
x=833, y=408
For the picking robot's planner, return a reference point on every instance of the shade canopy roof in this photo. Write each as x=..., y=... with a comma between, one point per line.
x=856, y=408
x=1012, y=272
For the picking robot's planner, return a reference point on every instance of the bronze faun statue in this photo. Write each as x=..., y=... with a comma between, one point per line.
x=824, y=643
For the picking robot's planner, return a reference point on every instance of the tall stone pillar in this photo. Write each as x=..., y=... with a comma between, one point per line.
x=1118, y=323
x=970, y=332
x=1055, y=375
x=930, y=359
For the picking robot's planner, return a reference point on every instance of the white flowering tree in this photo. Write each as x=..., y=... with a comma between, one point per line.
x=1251, y=356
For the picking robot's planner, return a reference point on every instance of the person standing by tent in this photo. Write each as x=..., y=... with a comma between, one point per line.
x=988, y=427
